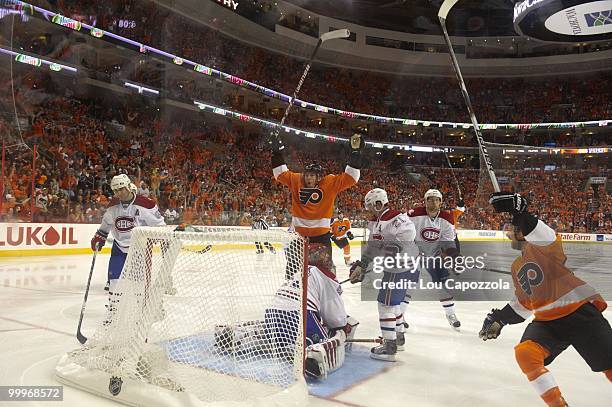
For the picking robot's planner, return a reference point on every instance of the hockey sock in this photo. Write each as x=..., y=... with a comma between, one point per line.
x=530, y=357
x=386, y=316
x=399, y=323
x=404, y=305
x=449, y=305
x=347, y=254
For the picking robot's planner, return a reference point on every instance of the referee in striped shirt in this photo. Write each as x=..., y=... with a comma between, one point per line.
x=261, y=224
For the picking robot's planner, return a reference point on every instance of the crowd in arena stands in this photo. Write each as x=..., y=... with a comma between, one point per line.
x=497, y=100
x=206, y=174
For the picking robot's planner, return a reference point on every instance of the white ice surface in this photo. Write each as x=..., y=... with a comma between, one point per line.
x=41, y=297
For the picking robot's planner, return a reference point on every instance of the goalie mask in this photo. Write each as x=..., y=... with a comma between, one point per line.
x=319, y=256
x=376, y=200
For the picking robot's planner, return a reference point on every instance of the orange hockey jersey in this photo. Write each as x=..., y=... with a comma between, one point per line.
x=312, y=208
x=542, y=283
x=458, y=211
x=340, y=228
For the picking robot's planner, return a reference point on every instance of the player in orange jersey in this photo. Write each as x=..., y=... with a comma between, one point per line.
x=313, y=194
x=458, y=211
x=341, y=234
x=567, y=311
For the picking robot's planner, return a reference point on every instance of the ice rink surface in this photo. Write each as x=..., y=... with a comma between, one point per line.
x=41, y=297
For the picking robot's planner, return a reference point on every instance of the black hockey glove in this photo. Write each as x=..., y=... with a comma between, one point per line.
x=350, y=235
x=357, y=143
x=278, y=149
x=508, y=202
x=492, y=326
x=496, y=320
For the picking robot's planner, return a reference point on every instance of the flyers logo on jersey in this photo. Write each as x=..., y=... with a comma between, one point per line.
x=529, y=275
x=312, y=195
x=430, y=234
x=125, y=223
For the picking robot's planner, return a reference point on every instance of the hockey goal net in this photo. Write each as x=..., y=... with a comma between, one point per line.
x=198, y=320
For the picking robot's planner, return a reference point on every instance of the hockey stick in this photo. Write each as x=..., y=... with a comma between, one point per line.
x=373, y=340
x=496, y=271
x=442, y=13
x=453, y=172
x=206, y=249
x=80, y=337
x=349, y=279
x=332, y=35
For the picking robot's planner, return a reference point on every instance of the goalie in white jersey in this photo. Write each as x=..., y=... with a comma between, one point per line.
x=125, y=211
x=436, y=239
x=391, y=235
x=327, y=323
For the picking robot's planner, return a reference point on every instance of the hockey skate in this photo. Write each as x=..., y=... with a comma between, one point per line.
x=453, y=321
x=386, y=351
x=401, y=341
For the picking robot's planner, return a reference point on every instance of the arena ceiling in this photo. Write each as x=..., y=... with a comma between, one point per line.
x=470, y=18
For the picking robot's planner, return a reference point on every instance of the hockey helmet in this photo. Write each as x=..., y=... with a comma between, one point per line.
x=374, y=196
x=434, y=193
x=313, y=167
x=120, y=181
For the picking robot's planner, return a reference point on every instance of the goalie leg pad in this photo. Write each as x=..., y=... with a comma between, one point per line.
x=325, y=357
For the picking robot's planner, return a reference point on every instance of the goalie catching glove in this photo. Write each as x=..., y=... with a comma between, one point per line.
x=496, y=320
x=357, y=272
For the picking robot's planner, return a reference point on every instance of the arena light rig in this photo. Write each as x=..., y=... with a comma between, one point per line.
x=200, y=68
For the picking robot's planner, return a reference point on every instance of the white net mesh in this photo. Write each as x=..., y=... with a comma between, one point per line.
x=199, y=313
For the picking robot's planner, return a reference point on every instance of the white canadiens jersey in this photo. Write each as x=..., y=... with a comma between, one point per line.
x=391, y=234
x=433, y=235
x=120, y=219
x=323, y=297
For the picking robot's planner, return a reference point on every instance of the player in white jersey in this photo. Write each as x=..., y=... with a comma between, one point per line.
x=391, y=234
x=125, y=211
x=327, y=323
x=436, y=239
